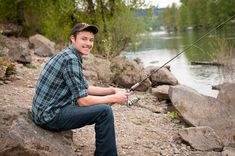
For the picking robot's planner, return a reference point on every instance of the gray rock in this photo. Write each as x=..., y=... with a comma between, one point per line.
x=202, y=138
x=102, y=67
x=161, y=92
x=42, y=46
x=200, y=110
x=228, y=151
x=16, y=49
x=161, y=77
x=19, y=136
x=127, y=73
x=10, y=29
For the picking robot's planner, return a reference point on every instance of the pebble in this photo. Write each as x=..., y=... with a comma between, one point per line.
x=1, y=83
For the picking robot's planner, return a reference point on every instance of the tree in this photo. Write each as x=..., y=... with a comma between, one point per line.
x=169, y=18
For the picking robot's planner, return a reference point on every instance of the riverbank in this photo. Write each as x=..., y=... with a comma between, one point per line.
x=141, y=130
x=149, y=127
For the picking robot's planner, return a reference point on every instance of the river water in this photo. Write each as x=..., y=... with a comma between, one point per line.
x=159, y=47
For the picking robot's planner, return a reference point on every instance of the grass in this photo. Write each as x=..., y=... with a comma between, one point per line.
x=223, y=54
x=30, y=66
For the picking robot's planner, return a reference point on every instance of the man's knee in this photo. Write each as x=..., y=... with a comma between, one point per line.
x=107, y=111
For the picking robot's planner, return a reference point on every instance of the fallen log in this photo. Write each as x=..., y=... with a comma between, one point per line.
x=207, y=63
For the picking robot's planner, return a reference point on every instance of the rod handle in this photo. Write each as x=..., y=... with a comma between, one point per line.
x=134, y=86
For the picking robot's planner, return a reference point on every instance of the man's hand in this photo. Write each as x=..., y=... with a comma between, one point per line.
x=121, y=97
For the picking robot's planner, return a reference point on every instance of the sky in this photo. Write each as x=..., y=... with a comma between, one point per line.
x=163, y=3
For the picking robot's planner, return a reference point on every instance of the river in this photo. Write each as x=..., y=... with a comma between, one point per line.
x=159, y=47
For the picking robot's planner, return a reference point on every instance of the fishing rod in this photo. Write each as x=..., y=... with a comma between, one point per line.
x=133, y=88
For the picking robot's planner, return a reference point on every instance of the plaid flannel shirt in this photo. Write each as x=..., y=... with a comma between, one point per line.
x=60, y=83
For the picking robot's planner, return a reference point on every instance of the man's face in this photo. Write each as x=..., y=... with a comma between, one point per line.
x=83, y=42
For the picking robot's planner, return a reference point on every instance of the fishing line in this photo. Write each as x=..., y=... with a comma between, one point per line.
x=133, y=88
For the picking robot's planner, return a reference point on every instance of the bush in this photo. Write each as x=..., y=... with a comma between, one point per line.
x=7, y=67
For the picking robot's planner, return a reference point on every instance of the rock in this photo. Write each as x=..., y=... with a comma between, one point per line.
x=161, y=77
x=15, y=48
x=127, y=73
x=200, y=110
x=202, y=138
x=42, y=46
x=161, y=92
x=20, y=136
x=10, y=29
x=226, y=95
x=228, y=151
x=89, y=70
x=102, y=67
x=97, y=69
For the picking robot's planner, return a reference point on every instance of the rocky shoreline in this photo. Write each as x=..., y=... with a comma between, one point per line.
x=143, y=129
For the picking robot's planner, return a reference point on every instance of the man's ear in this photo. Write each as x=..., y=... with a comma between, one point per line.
x=72, y=38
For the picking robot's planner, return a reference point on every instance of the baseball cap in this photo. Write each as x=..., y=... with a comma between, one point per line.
x=84, y=26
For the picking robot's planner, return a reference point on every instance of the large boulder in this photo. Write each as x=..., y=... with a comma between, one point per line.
x=228, y=151
x=161, y=77
x=200, y=110
x=103, y=70
x=161, y=92
x=97, y=69
x=16, y=48
x=226, y=95
x=20, y=136
x=202, y=138
x=127, y=73
x=10, y=29
x=42, y=45
x=89, y=70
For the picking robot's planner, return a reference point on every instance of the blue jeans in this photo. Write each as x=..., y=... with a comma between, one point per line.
x=73, y=116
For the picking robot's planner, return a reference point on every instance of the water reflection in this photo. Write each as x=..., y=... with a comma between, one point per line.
x=160, y=47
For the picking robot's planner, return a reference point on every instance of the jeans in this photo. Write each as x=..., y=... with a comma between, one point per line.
x=73, y=116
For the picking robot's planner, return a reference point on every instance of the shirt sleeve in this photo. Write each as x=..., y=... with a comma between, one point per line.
x=74, y=79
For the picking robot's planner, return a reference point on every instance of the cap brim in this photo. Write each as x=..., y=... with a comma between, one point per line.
x=91, y=28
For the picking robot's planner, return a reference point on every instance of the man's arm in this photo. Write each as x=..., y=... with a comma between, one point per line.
x=100, y=91
x=119, y=97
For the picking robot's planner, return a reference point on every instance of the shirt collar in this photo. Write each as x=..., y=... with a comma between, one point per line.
x=75, y=51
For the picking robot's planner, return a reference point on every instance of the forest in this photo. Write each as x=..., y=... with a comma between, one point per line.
x=119, y=25
x=197, y=14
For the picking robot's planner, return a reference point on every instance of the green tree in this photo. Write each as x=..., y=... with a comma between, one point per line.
x=169, y=18
x=182, y=18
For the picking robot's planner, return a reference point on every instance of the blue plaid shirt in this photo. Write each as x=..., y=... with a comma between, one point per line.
x=60, y=83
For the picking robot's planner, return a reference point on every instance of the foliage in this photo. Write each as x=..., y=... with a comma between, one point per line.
x=30, y=65
x=54, y=19
x=6, y=63
x=223, y=50
x=223, y=54
x=173, y=115
x=124, y=27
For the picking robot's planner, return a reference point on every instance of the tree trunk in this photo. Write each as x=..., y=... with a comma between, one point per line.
x=102, y=7
x=91, y=11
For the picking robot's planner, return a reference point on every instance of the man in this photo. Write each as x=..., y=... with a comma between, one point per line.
x=63, y=99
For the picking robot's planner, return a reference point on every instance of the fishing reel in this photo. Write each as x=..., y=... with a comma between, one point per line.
x=132, y=100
